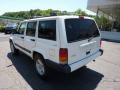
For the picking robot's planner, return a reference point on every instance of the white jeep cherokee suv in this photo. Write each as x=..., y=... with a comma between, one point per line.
x=65, y=43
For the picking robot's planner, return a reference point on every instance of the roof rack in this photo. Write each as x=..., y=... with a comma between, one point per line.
x=51, y=14
x=37, y=16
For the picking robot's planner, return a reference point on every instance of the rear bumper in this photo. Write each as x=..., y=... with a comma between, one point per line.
x=76, y=65
x=101, y=50
x=67, y=68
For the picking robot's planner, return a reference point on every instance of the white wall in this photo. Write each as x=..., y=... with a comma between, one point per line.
x=110, y=35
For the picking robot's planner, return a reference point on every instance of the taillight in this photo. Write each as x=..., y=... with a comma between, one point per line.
x=100, y=43
x=63, y=55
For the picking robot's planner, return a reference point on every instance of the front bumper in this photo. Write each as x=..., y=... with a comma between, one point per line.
x=67, y=68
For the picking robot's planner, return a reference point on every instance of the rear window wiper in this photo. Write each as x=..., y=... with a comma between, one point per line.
x=91, y=37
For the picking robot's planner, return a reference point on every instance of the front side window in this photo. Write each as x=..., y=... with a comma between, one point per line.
x=31, y=28
x=47, y=29
x=21, y=28
x=80, y=29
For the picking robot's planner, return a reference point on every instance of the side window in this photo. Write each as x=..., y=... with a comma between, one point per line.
x=47, y=29
x=31, y=28
x=21, y=28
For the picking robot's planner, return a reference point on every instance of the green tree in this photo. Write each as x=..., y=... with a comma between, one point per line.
x=103, y=23
x=79, y=12
x=38, y=12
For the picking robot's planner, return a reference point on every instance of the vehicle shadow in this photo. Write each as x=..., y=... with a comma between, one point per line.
x=86, y=79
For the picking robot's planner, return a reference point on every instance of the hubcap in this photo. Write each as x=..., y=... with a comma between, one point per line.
x=12, y=47
x=40, y=67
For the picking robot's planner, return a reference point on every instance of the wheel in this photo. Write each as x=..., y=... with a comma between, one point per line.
x=41, y=67
x=13, y=49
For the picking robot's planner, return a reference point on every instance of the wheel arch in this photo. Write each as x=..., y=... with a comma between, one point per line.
x=37, y=53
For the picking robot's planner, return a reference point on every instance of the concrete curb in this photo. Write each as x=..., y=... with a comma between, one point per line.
x=110, y=40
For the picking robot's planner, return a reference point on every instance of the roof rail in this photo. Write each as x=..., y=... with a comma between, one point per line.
x=37, y=16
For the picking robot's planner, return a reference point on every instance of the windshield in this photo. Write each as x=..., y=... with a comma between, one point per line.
x=11, y=25
x=80, y=29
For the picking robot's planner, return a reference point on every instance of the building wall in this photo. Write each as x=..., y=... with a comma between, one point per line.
x=102, y=2
x=94, y=4
x=107, y=8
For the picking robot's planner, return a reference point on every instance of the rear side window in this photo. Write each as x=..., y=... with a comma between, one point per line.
x=47, y=29
x=80, y=29
x=31, y=28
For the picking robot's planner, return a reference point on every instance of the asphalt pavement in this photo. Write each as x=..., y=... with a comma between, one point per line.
x=18, y=72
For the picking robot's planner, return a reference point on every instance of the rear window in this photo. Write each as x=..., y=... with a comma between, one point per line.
x=80, y=29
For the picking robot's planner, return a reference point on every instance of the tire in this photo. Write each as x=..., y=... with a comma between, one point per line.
x=13, y=49
x=41, y=67
x=5, y=32
x=83, y=68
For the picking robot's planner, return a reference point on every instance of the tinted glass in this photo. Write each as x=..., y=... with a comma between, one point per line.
x=21, y=28
x=47, y=29
x=80, y=29
x=31, y=28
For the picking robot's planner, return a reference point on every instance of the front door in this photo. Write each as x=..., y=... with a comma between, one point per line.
x=19, y=36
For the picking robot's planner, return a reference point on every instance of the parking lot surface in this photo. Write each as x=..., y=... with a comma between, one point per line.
x=18, y=73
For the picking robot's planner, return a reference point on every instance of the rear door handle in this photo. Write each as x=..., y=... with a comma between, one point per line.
x=32, y=39
x=22, y=37
x=88, y=52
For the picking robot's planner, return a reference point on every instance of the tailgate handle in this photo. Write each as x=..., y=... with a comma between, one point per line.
x=88, y=52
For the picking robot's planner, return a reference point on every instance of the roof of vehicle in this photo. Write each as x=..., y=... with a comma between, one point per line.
x=60, y=17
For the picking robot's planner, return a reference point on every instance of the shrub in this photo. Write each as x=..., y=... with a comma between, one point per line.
x=2, y=28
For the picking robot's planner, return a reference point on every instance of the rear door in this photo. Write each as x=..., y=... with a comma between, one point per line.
x=30, y=40
x=47, y=41
x=83, y=38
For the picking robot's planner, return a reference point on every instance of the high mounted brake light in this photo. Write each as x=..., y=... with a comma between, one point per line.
x=81, y=17
x=100, y=43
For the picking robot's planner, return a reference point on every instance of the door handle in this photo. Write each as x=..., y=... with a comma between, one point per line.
x=32, y=39
x=22, y=37
x=88, y=52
